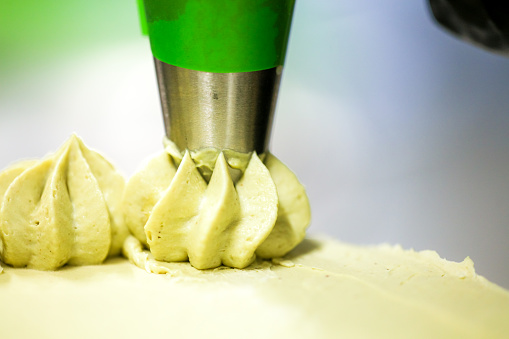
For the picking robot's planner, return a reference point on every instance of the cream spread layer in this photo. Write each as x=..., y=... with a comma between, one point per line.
x=62, y=209
x=172, y=210
x=321, y=289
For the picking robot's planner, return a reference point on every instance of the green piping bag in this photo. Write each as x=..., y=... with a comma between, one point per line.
x=220, y=36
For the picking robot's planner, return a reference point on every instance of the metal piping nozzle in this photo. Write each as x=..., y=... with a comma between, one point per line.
x=226, y=111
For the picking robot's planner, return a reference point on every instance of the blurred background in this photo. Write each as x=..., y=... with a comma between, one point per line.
x=399, y=131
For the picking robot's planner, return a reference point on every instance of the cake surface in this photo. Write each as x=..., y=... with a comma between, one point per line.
x=322, y=289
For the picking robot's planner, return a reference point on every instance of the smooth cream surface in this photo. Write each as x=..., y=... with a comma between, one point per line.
x=63, y=209
x=172, y=210
x=322, y=289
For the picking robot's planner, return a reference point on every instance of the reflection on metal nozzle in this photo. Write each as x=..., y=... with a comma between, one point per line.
x=220, y=110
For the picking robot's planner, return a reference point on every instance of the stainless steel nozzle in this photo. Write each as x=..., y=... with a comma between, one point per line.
x=220, y=110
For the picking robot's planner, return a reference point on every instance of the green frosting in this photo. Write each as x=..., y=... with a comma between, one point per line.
x=173, y=211
x=63, y=209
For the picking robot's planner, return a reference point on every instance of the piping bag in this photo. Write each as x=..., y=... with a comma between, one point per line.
x=218, y=66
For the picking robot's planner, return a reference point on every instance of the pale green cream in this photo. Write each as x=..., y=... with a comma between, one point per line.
x=62, y=209
x=175, y=213
x=322, y=289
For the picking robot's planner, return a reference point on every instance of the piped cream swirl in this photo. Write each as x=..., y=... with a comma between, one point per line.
x=175, y=213
x=62, y=209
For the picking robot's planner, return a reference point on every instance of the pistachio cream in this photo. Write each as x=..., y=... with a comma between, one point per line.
x=62, y=209
x=321, y=289
x=171, y=208
x=65, y=208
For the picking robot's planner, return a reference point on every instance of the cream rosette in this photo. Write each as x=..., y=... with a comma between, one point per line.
x=175, y=212
x=63, y=209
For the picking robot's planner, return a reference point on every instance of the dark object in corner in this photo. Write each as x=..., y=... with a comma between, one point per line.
x=482, y=22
